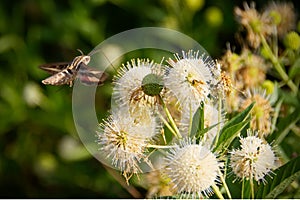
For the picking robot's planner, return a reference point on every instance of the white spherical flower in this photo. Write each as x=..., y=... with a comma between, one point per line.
x=125, y=142
x=131, y=85
x=254, y=160
x=190, y=78
x=192, y=169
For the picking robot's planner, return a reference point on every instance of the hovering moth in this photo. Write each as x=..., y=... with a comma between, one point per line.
x=67, y=72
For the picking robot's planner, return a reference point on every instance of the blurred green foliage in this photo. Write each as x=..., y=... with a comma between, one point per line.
x=41, y=154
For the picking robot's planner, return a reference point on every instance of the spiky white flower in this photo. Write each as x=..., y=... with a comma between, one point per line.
x=254, y=160
x=192, y=169
x=131, y=83
x=189, y=78
x=125, y=141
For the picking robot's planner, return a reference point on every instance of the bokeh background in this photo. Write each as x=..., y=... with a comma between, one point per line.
x=41, y=155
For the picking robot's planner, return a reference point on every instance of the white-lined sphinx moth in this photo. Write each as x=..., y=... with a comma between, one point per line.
x=66, y=72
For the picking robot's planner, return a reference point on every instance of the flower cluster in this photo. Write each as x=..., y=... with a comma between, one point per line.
x=179, y=117
x=177, y=109
x=146, y=96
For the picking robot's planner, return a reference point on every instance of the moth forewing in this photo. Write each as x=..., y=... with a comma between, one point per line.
x=53, y=68
x=65, y=76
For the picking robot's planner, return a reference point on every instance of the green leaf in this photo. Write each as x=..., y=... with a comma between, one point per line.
x=295, y=69
x=284, y=125
x=232, y=128
x=285, y=175
x=198, y=122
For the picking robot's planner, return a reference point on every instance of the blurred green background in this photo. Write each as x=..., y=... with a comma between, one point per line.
x=41, y=154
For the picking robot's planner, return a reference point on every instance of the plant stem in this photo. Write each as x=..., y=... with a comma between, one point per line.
x=252, y=187
x=219, y=119
x=278, y=66
x=170, y=118
x=243, y=187
x=167, y=124
x=217, y=191
x=224, y=184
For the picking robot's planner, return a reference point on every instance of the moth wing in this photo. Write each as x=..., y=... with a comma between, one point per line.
x=90, y=76
x=64, y=77
x=53, y=68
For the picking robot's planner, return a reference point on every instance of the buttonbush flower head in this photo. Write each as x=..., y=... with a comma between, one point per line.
x=252, y=71
x=283, y=16
x=253, y=160
x=192, y=169
x=254, y=23
x=261, y=112
x=157, y=184
x=125, y=142
x=189, y=78
x=137, y=86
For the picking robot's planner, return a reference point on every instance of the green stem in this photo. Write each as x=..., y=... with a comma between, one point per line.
x=224, y=184
x=170, y=118
x=243, y=187
x=278, y=66
x=217, y=191
x=168, y=125
x=219, y=119
x=252, y=187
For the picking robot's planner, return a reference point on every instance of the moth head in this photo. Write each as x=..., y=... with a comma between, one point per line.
x=86, y=59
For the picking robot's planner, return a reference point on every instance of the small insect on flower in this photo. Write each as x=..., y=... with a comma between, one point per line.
x=138, y=86
x=254, y=159
x=192, y=168
x=189, y=78
x=125, y=142
x=66, y=72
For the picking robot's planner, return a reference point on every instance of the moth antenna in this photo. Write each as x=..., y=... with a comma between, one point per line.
x=80, y=52
x=108, y=60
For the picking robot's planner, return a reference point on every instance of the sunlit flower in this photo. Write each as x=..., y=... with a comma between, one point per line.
x=253, y=160
x=283, y=15
x=261, y=112
x=125, y=142
x=189, y=78
x=254, y=23
x=245, y=71
x=253, y=70
x=157, y=184
x=231, y=62
x=137, y=86
x=192, y=168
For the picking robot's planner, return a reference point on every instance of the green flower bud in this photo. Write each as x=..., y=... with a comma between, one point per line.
x=264, y=52
x=214, y=16
x=256, y=25
x=194, y=5
x=276, y=17
x=152, y=84
x=269, y=86
x=292, y=40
